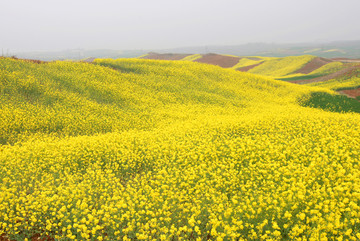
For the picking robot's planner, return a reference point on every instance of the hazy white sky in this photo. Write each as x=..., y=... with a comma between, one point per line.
x=156, y=24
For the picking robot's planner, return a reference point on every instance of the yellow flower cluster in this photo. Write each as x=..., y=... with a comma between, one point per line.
x=210, y=154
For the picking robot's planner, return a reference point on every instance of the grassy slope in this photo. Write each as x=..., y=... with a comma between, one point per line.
x=54, y=97
x=189, y=150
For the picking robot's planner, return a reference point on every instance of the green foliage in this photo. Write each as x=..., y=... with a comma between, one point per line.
x=329, y=102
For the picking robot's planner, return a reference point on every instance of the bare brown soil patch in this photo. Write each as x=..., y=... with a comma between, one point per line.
x=220, y=60
x=165, y=56
x=36, y=237
x=313, y=65
x=351, y=93
x=4, y=238
x=349, y=71
x=247, y=68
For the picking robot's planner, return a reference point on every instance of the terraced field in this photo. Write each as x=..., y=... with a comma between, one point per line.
x=135, y=149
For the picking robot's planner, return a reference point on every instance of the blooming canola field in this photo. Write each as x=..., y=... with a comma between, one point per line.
x=134, y=149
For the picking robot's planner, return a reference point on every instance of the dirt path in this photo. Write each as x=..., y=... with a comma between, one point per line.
x=253, y=58
x=220, y=60
x=247, y=68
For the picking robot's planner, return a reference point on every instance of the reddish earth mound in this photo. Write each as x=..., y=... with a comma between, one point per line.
x=313, y=65
x=349, y=71
x=220, y=60
x=351, y=93
x=165, y=56
x=247, y=68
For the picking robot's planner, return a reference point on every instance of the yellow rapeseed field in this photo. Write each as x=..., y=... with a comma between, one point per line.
x=159, y=150
x=279, y=67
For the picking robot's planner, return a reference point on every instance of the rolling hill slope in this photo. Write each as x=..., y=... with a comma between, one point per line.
x=134, y=149
x=337, y=74
x=52, y=97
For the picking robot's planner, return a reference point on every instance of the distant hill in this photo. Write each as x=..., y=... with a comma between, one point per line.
x=346, y=49
x=78, y=54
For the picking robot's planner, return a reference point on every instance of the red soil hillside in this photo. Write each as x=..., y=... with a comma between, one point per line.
x=313, y=65
x=220, y=60
x=165, y=56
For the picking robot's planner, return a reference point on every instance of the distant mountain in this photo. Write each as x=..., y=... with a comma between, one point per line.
x=346, y=49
